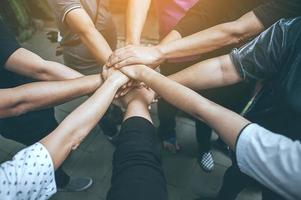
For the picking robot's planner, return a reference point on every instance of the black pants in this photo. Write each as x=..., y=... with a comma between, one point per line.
x=233, y=97
x=137, y=172
x=30, y=128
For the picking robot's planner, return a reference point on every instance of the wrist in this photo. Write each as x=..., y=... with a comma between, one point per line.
x=114, y=82
x=161, y=52
x=132, y=41
x=145, y=74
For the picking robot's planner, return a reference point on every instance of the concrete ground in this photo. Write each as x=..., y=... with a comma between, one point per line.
x=186, y=181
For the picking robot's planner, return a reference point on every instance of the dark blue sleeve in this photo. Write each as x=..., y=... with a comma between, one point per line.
x=263, y=57
x=8, y=44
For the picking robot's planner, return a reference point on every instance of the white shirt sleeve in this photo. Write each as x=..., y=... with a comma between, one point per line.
x=29, y=175
x=272, y=159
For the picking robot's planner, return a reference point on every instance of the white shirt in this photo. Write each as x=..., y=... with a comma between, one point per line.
x=272, y=159
x=29, y=175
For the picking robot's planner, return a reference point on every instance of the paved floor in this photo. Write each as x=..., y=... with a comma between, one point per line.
x=186, y=181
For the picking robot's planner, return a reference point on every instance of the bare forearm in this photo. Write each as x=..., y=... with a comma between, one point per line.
x=29, y=64
x=172, y=36
x=216, y=37
x=227, y=123
x=137, y=11
x=198, y=43
x=38, y=95
x=57, y=72
x=79, y=123
x=97, y=45
x=81, y=24
x=212, y=73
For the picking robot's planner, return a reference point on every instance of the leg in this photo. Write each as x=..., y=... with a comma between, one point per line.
x=137, y=172
x=234, y=182
x=167, y=113
x=167, y=116
x=203, y=135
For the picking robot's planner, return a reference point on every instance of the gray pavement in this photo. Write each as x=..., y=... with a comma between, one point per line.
x=186, y=181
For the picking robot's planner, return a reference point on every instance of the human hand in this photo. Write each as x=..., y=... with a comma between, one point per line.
x=144, y=95
x=135, y=71
x=132, y=84
x=135, y=54
x=116, y=77
x=124, y=89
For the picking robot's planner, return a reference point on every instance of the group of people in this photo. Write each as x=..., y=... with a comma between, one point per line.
x=231, y=64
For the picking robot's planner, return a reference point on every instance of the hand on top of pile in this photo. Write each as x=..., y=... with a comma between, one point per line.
x=135, y=54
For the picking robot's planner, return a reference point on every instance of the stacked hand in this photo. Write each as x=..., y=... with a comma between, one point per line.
x=136, y=54
x=131, y=61
x=144, y=95
x=116, y=77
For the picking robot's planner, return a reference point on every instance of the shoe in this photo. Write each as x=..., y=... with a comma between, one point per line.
x=110, y=122
x=206, y=162
x=171, y=145
x=77, y=185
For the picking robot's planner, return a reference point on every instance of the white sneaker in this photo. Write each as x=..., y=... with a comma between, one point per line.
x=206, y=162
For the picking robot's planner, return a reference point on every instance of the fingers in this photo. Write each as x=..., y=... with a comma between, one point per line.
x=126, y=62
x=123, y=91
x=119, y=55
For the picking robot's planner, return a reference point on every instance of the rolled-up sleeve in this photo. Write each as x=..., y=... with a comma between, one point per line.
x=29, y=175
x=272, y=159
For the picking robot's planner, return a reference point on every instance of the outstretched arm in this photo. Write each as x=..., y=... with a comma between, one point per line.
x=207, y=40
x=32, y=96
x=80, y=23
x=212, y=73
x=29, y=64
x=135, y=19
x=82, y=120
x=216, y=37
x=227, y=123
